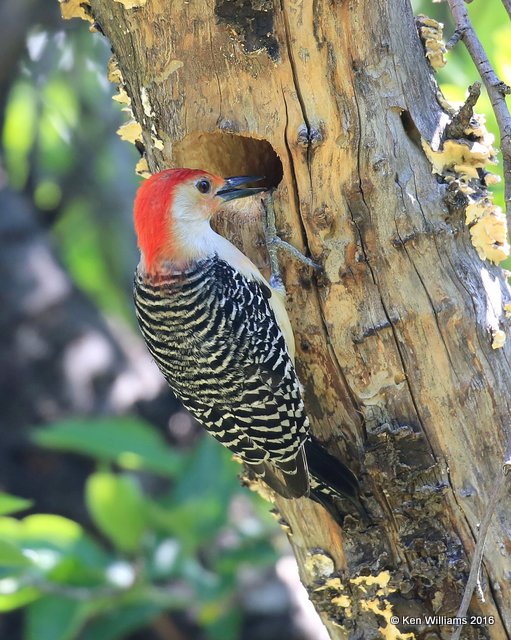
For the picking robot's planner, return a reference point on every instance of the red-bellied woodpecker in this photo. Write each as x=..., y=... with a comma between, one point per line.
x=221, y=335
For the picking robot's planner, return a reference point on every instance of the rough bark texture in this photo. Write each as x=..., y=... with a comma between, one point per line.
x=394, y=337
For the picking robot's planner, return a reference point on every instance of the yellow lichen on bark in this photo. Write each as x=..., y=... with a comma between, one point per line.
x=130, y=131
x=381, y=580
x=132, y=4
x=461, y=156
x=319, y=565
x=390, y=630
x=169, y=69
x=462, y=161
x=114, y=74
x=142, y=168
x=122, y=97
x=75, y=9
x=146, y=105
x=363, y=593
x=499, y=339
x=344, y=602
x=488, y=235
x=379, y=604
x=431, y=33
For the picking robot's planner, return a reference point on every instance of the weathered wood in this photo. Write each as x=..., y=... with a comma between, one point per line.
x=394, y=338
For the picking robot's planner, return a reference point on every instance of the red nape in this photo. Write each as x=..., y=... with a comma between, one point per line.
x=152, y=211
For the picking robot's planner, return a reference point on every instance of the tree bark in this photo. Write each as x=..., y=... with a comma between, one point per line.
x=330, y=100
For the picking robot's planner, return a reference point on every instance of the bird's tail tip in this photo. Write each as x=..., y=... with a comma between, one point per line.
x=333, y=484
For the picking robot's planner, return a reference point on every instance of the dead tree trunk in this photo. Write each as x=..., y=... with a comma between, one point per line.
x=336, y=103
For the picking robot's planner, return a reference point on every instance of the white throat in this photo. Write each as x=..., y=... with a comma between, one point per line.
x=197, y=240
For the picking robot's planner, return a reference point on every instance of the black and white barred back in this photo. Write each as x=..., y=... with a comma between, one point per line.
x=214, y=336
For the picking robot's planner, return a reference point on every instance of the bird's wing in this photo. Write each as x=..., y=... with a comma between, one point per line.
x=260, y=409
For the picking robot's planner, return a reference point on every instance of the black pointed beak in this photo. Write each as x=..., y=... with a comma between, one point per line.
x=230, y=189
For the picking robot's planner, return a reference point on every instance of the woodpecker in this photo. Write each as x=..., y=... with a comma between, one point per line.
x=221, y=336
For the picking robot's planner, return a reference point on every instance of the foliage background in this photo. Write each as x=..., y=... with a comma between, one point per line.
x=126, y=522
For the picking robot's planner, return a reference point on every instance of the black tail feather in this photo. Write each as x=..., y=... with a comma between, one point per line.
x=292, y=482
x=333, y=484
x=330, y=471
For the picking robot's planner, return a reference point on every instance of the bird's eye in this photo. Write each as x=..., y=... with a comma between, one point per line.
x=203, y=185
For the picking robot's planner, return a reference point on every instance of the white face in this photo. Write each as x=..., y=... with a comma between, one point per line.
x=195, y=200
x=193, y=204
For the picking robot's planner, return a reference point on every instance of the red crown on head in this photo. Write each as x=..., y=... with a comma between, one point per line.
x=152, y=207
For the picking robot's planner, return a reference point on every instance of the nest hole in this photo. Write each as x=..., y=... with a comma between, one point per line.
x=228, y=154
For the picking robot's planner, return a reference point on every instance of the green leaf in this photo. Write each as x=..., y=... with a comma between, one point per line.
x=121, y=622
x=13, y=595
x=200, y=500
x=209, y=474
x=41, y=530
x=227, y=624
x=12, y=504
x=193, y=523
x=19, y=131
x=12, y=556
x=117, y=506
x=57, y=120
x=85, y=260
x=57, y=547
x=55, y=618
x=130, y=443
x=251, y=551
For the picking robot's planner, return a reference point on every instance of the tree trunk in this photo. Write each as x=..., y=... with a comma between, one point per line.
x=330, y=100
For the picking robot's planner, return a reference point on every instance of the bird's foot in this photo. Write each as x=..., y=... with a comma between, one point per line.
x=274, y=244
x=293, y=251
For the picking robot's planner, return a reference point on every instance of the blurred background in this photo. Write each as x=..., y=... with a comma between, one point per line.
x=118, y=519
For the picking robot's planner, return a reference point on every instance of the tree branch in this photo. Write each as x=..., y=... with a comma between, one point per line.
x=461, y=120
x=497, y=90
x=454, y=39
x=507, y=6
x=473, y=576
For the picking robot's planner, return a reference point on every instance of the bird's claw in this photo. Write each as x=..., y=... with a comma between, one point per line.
x=274, y=244
x=296, y=253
